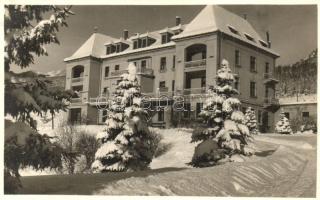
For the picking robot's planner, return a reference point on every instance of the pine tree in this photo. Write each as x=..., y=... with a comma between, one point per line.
x=126, y=140
x=283, y=125
x=250, y=121
x=26, y=34
x=226, y=134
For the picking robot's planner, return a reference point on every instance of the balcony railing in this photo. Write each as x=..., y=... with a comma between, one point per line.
x=271, y=101
x=147, y=71
x=189, y=91
x=269, y=77
x=118, y=72
x=77, y=79
x=76, y=100
x=195, y=63
x=163, y=89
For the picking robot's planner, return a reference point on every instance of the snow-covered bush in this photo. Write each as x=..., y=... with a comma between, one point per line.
x=224, y=121
x=127, y=143
x=250, y=121
x=283, y=125
x=86, y=145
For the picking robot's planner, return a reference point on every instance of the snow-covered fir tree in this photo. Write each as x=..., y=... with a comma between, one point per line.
x=250, y=121
x=126, y=140
x=225, y=134
x=283, y=125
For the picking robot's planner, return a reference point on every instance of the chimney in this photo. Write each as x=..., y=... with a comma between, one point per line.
x=95, y=29
x=178, y=20
x=268, y=39
x=245, y=16
x=125, y=34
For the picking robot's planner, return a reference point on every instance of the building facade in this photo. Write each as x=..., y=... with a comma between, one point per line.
x=177, y=61
x=298, y=107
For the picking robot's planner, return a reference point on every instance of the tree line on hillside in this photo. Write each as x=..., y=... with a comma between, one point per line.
x=298, y=78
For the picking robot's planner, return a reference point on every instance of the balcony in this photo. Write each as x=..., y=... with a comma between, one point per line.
x=194, y=91
x=269, y=79
x=77, y=80
x=118, y=72
x=146, y=71
x=163, y=89
x=271, y=103
x=195, y=63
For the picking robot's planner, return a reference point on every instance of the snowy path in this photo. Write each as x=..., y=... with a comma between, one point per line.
x=283, y=168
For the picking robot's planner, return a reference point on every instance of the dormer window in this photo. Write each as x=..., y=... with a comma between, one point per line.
x=135, y=44
x=118, y=48
x=249, y=37
x=110, y=49
x=143, y=42
x=263, y=43
x=166, y=37
x=233, y=30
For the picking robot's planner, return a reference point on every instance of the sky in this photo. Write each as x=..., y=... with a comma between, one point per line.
x=292, y=28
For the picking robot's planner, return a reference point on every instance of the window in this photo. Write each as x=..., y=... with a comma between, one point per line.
x=266, y=70
x=305, y=114
x=163, y=38
x=106, y=71
x=116, y=67
x=237, y=84
x=203, y=82
x=249, y=37
x=135, y=44
x=253, y=89
x=187, y=110
x=266, y=92
x=287, y=115
x=162, y=84
x=259, y=116
x=199, y=107
x=237, y=57
x=104, y=116
x=135, y=63
x=75, y=115
x=144, y=42
x=263, y=43
x=233, y=30
x=253, y=64
x=143, y=64
x=163, y=63
x=161, y=115
x=172, y=86
x=174, y=62
x=105, y=90
x=118, y=48
x=108, y=50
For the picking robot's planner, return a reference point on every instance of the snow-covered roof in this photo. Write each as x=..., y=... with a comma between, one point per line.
x=215, y=18
x=302, y=99
x=92, y=47
x=210, y=19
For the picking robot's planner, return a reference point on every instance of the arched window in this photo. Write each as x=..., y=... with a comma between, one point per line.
x=195, y=52
x=77, y=71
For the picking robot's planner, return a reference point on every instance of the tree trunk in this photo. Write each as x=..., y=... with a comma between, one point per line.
x=52, y=121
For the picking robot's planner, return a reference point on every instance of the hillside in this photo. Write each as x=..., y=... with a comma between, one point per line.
x=300, y=77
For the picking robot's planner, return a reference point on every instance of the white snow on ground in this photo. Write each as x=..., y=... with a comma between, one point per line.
x=296, y=144
x=273, y=175
x=181, y=150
